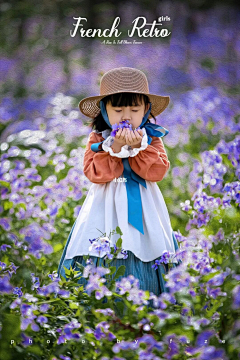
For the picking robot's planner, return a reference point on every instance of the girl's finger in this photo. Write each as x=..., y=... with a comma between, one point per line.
x=127, y=136
x=122, y=137
x=123, y=134
x=118, y=133
x=130, y=135
x=138, y=137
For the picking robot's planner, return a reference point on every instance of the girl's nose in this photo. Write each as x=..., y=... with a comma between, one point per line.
x=126, y=116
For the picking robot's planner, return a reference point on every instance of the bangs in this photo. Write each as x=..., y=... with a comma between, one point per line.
x=126, y=99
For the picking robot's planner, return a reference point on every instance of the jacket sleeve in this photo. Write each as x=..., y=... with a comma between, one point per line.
x=152, y=163
x=100, y=167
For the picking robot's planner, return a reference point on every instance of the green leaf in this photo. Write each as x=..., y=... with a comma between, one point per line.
x=62, y=317
x=43, y=260
x=5, y=184
x=80, y=266
x=67, y=272
x=118, y=230
x=205, y=278
x=120, y=308
x=120, y=271
x=73, y=305
x=57, y=247
x=7, y=205
x=147, y=294
x=21, y=205
x=119, y=243
x=113, y=269
x=193, y=272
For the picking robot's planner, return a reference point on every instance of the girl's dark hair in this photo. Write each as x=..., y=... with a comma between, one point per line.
x=121, y=99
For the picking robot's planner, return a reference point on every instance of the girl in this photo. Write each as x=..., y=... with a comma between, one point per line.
x=124, y=170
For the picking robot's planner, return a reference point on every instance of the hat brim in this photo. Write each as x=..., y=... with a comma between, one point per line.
x=90, y=106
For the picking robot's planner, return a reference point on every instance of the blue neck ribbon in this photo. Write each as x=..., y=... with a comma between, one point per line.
x=133, y=179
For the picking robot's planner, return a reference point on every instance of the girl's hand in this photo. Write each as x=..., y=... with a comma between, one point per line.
x=134, y=138
x=119, y=140
x=120, y=137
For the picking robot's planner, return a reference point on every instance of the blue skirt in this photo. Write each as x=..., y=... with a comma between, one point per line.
x=149, y=279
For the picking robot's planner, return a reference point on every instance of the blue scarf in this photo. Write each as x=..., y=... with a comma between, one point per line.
x=133, y=179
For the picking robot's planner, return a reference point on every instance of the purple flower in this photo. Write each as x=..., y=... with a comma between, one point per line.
x=122, y=124
x=4, y=247
x=215, y=292
x=203, y=321
x=109, y=256
x=95, y=282
x=34, y=326
x=2, y=265
x=217, y=280
x=13, y=268
x=111, y=336
x=26, y=340
x=98, y=333
x=27, y=310
x=64, y=357
x=51, y=288
x=115, y=128
x=179, y=237
x=186, y=205
x=52, y=276
x=25, y=322
x=165, y=257
x=101, y=244
x=236, y=297
x=203, y=338
x=5, y=223
x=42, y=319
x=106, y=312
x=44, y=307
x=89, y=261
x=156, y=264
x=211, y=353
x=15, y=303
x=161, y=314
x=123, y=345
x=67, y=334
x=35, y=281
x=5, y=286
x=17, y=291
x=91, y=241
x=124, y=252
x=192, y=292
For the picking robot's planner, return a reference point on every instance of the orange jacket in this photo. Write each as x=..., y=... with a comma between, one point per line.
x=100, y=167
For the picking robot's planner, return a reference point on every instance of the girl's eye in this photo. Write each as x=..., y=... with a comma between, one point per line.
x=121, y=110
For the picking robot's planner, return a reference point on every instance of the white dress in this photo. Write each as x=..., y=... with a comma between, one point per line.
x=106, y=207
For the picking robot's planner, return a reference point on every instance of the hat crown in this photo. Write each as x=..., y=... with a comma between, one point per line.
x=124, y=79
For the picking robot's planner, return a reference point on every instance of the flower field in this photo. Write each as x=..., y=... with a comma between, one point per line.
x=43, y=137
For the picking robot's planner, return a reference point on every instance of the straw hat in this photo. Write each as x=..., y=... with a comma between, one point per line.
x=118, y=80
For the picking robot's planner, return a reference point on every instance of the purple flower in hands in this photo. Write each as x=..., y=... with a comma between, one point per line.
x=122, y=124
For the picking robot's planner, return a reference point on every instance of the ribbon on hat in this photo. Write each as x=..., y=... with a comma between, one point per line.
x=133, y=179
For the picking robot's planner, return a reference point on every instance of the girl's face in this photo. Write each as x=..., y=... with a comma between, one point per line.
x=133, y=113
